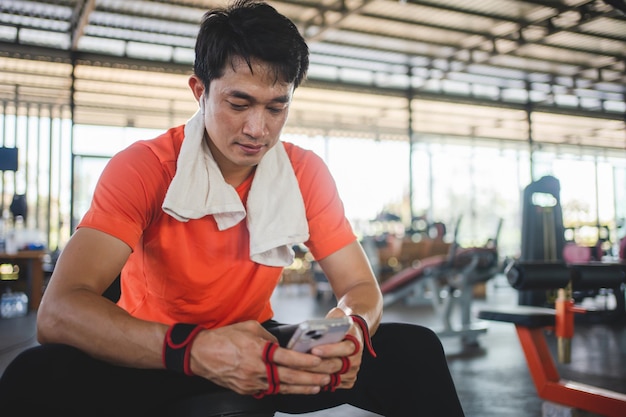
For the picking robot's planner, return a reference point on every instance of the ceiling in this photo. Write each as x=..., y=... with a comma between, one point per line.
x=539, y=72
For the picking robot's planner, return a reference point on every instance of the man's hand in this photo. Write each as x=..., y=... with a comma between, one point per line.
x=347, y=348
x=232, y=356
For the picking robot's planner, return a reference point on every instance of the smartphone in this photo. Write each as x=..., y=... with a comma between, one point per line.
x=311, y=333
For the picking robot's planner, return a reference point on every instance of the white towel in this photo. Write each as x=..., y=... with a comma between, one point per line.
x=276, y=216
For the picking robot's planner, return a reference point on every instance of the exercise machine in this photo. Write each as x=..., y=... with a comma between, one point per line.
x=449, y=280
x=531, y=323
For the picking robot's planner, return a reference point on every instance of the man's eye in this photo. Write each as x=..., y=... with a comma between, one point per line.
x=238, y=106
x=275, y=110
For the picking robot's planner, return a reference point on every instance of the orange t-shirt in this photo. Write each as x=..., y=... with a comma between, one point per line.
x=192, y=272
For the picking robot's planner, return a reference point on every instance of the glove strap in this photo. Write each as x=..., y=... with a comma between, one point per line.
x=366, y=333
x=177, y=347
x=272, y=371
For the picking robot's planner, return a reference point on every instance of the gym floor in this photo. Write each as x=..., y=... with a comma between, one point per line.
x=492, y=378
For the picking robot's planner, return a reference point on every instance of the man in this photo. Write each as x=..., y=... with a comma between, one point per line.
x=200, y=222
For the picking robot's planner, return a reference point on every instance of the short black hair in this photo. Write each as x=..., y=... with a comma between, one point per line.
x=252, y=30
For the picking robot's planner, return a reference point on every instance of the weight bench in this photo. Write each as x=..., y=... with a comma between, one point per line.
x=450, y=279
x=530, y=323
x=455, y=274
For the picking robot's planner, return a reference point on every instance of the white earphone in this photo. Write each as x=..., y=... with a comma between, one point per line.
x=201, y=103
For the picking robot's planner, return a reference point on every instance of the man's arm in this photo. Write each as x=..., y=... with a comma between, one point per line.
x=73, y=311
x=354, y=284
x=357, y=291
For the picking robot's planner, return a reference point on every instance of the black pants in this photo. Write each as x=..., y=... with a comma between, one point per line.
x=409, y=377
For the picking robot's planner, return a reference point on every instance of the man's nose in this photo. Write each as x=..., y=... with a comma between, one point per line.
x=256, y=124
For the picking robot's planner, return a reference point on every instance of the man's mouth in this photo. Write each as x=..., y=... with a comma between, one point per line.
x=252, y=148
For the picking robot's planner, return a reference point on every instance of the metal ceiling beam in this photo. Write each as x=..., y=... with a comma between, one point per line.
x=463, y=99
x=513, y=35
x=38, y=53
x=617, y=4
x=80, y=20
x=558, y=5
x=133, y=13
x=323, y=24
x=458, y=58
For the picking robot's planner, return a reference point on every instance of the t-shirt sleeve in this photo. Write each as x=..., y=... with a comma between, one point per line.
x=129, y=193
x=329, y=229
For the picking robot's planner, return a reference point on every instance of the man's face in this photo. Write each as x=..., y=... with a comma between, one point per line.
x=244, y=114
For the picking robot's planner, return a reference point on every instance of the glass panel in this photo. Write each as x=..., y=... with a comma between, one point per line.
x=87, y=170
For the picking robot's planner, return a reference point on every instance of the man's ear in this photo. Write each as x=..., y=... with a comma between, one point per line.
x=197, y=87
